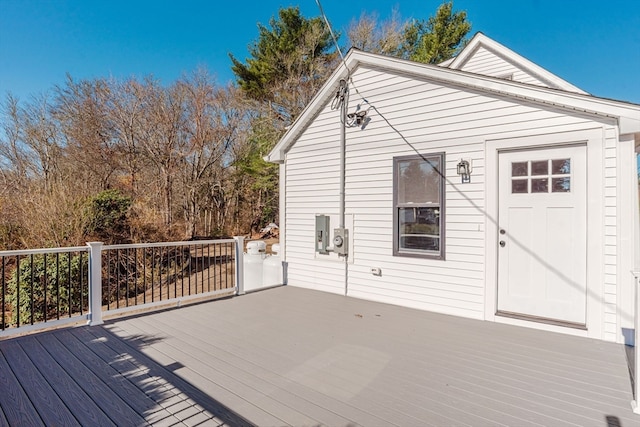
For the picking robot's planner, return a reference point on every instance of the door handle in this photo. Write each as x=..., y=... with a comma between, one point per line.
x=502, y=243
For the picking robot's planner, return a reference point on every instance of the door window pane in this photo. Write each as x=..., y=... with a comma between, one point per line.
x=540, y=168
x=519, y=186
x=561, y=166
x=520, y=169
x=540, y=185
x=561, y=185
x=537, y=176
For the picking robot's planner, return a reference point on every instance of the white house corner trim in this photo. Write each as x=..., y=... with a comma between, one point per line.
x=491, y=230
x=282, y=209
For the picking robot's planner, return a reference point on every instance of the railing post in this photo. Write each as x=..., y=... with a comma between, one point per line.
x=95, y=284
x=239, y=264
x=635, y=404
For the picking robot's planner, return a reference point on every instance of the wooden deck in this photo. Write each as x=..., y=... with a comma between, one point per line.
x=290, y=356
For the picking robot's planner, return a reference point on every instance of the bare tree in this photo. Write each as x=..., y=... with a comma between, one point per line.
x=124, y=112
x=14, y=156
x=161, y=137
x=215, y=119
x=371, y=35
x=35, y=142
x=191, y=147
x=80, y=111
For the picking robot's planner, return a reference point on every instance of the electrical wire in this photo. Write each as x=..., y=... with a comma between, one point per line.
x=333, y=36
x=341, y=99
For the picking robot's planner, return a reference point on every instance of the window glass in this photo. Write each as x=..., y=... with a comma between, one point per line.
x=418, y=181
x=562, y=166
x=420, y=228
x=540, y=185
x=520, y=169
x=519, y=186
x=561, y=185
x=541, y=176
x=540, y=168
x=418, y=206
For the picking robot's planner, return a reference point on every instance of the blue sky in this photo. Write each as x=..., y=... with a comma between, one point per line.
x=594, y=44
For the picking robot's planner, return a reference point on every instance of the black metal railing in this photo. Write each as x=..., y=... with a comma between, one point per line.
x=149, y=273
x=56, y=285
x=43, y=285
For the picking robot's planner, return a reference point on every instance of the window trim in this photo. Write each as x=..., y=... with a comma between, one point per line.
x=396, y=220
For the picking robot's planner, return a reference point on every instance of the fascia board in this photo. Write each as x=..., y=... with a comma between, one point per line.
x=462, y=57
x=325, y=93
x=627, y=114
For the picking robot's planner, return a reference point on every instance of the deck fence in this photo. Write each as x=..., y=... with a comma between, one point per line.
x=50, y=287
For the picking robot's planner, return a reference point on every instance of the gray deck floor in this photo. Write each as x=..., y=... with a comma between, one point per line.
x=290, y=356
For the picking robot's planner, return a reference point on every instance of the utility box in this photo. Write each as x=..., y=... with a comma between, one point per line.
x=323, y=228
x=341, y=241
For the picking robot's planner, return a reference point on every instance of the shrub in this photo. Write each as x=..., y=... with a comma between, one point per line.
x=106, y=216
x=47, y=287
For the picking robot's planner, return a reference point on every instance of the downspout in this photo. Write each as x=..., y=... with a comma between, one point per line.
x=282, y=207
x=343, y=152
x=635, y=404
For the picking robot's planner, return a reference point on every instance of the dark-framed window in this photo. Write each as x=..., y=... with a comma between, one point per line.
x=418, y=206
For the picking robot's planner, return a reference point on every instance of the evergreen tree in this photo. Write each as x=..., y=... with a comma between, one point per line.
x=288, y=63
x=438, y=38
x=429, y=41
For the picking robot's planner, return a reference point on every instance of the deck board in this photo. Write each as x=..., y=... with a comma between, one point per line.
x=291, y=356
x=119, y=410
x=204, y=359
x=255, y=365
x=16, y=406
x=158, y=374
x=251, y=354
x=123, y=387
x=87, y=413
x=44, y=399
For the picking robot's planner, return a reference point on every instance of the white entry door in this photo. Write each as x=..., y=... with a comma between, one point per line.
x=542, y=240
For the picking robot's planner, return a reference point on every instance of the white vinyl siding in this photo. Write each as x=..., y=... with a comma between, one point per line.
x=433, y=118
x=488, y=63
x=312, y=174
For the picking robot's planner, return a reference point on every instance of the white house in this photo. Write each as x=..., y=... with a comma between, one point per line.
x=543, y=233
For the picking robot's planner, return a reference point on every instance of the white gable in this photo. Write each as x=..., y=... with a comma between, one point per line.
x=487, y=57
x=483, y=61
x=456, y=115
x=627, y=115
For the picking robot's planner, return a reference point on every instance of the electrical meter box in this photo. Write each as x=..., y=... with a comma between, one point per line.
x=341, y=241
x=323, y=229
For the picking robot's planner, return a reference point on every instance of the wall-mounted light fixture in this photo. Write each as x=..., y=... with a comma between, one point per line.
x=356, y=119
x=464, y=170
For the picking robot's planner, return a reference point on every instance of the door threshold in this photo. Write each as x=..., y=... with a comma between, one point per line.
x=538, y=319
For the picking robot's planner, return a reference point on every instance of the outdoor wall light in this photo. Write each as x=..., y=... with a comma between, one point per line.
x=356, y=119
x=464, y=170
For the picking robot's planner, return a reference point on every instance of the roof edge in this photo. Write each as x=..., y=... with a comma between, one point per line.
x=481, y=40
x=627, y=114
x=342, y=71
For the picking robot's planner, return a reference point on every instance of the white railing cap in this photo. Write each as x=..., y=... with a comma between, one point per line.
x=163, y=244
x=45, y=251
